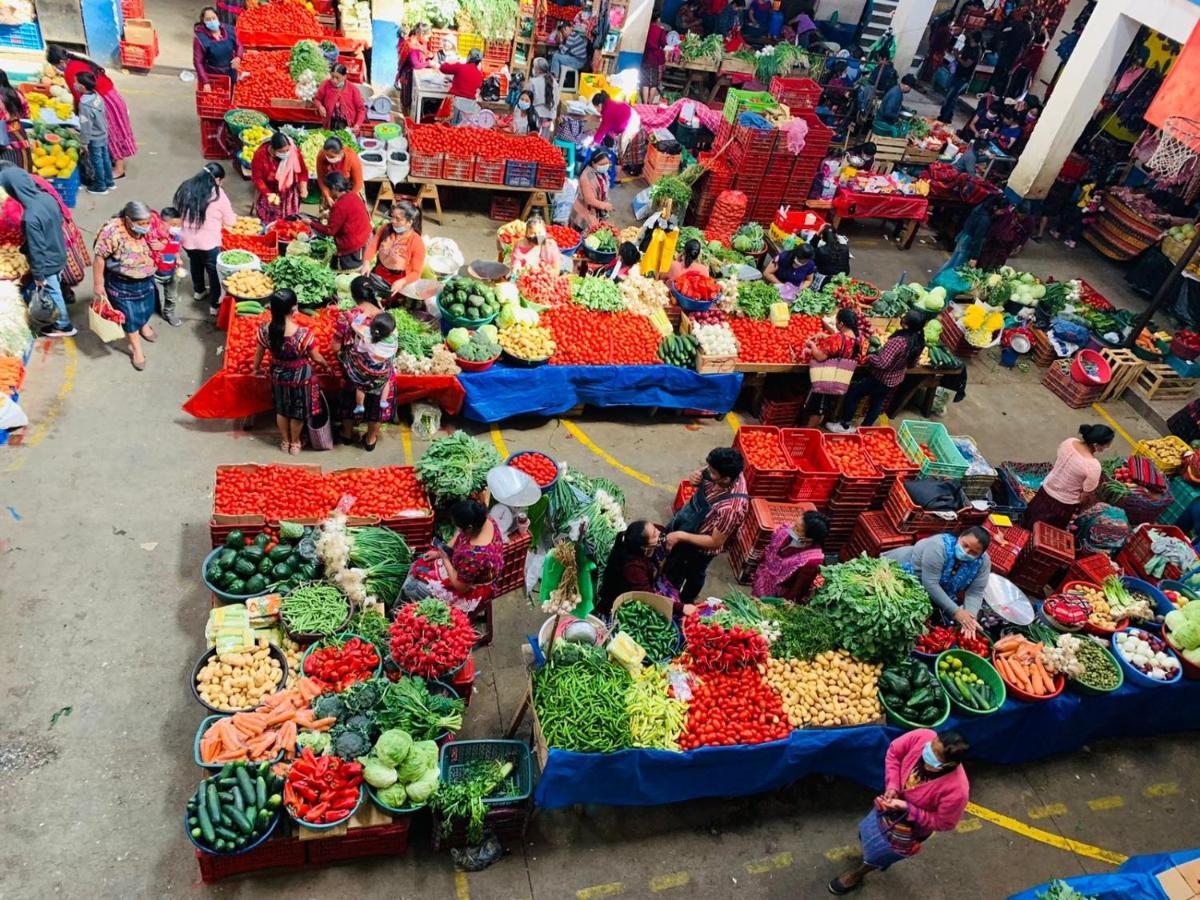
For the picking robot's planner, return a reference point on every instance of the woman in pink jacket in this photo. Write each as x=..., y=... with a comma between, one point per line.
x=205, y=209
x=925, y=790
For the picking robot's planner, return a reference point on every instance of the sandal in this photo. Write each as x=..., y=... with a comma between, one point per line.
x=151, y=337
x=140, y=366
x=836, y=886
x=285, y=446
x=294, y=449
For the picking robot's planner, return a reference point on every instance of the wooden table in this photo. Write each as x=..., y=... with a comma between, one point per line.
x=918, y=378
x=428, y=190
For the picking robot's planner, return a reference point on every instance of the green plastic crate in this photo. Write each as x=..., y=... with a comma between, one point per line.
x=746, y=101
x=950, y=463
x=457, y=754
x=1183, y=492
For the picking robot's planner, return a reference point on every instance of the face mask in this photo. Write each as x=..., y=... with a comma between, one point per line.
x=400, y=229
x=603, y=170
x=523, y=104
x=796, y=539
x=281, y=156
x=176, y=231
x=962, y=555
x=333, y=160
x=213, y=26
x=930, y=758
x=140, y=229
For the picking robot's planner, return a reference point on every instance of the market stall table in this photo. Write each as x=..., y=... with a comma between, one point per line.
x=912, y=209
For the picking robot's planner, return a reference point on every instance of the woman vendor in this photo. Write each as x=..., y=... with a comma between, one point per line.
x=636, y=564
x=954, y=572
x=337, y=157
x=463, y=572
x=1075, y=475
x=340, y=103
x=280, y=177
x=793, y=558
x=689, y=261
x=536, y=247
x=396, y=252
x=591, y=203
x=794, y=265
x=216, y=50
x=123, y=274
x=414, y=55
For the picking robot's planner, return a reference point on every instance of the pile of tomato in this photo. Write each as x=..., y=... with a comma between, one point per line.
x=846, y=453
x=286, y=230
x=281, y=17
x=387, y=492
x=465, y=141
x=800, y=330
x=1089, y=296
x=565, y=237
x=242, y=340
x=586, y=338
x=275, y=492
x=734, y=708
x=762, y=449
x=634, y=340
x=263, y=77
x=884, y=450
x=854, y=293
x=760, y=341
x=537, y=466
x=928, y=454
x=545, y=285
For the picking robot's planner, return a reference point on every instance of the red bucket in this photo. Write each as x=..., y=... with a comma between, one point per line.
x=1080, y=374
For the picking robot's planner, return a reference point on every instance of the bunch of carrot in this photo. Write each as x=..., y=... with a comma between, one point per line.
x=271, y=729
x=1019, y=662
x=12, y=374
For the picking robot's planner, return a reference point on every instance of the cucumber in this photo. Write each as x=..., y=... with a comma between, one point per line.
x=241, y=821
x=214, y=804
x=193, y=820
x=952, y=688
x=221, y=846
x=239, y=800
x=227, y=834
x=244, y=782
x=226, y=782
x=206, y=825
x=197, y=833
x=260, y=792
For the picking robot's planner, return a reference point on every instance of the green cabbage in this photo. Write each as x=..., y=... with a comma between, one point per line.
x=1183, y=626
x=376, y=772
x=456, y=337
x=421, y=790
x=394, y=796
x=420, y=759
x=393, y=746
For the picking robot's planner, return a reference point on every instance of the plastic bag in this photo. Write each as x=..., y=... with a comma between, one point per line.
x=11, y=415
x=954, y=283
x=564, y=200
x=42, y=310
x=427, y=421
x=642, y=204
x=941, y=400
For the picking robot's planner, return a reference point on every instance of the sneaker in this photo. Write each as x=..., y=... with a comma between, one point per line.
x=94, y=191
x=1070, y=244
x=112, y=187
x=213, y=311
x=173, y=320
x=836, y=427
x=54, y=331
x=199, y=295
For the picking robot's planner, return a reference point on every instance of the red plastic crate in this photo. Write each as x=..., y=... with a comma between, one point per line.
x=215, y=102
x=1055, y=544
x=550, y=178
x=360, y=843
x=853, y=487
x=771, y=484
x=1092, y=569
x=426, y=165
x=887, y=432
x=682, y=495
x=1007, y=543
x=504, y=209
x=275, y=853
x=1059, y=381
x=1137, y=551
x=457, y=168
x=214, y=139
x=139, y=56
x=489, y=171
x=498, y=52
x=905, y=515
x=508, y=823
x=873, y=534
x=779, y=412
x=133, y=9
x=795, y=93
x=515, y=553
x=815, y=478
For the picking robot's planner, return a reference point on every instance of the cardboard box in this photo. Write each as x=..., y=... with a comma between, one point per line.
x=139, y=31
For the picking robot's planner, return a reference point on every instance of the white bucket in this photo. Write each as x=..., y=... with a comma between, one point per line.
x=224, y=270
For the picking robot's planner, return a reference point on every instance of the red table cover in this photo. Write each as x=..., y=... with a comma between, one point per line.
x=854, y=205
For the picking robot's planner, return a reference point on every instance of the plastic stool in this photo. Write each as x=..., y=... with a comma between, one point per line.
x=563, y=74
x=568, y=152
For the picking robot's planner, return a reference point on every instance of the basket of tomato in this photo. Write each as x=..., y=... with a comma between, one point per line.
x=695, y=291
x=538, y=466
x=860, y=477
x=883, y=449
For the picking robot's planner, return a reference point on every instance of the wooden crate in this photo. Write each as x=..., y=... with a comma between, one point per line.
x=1043, y=350
x=889, y=152
x=1126, y=367
x=1160, y=382
x=919, y=156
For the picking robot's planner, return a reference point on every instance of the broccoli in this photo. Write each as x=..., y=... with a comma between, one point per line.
x=328, y=705
x=349, y=744
x=360, y=723
x=363, y=696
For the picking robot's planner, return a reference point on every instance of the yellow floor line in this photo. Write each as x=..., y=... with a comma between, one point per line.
x=498, y=440
x=1116, y=426
x=462, y=891
x=576, y=432
x=53, y=410
x=1046, y=837
x=406, y=443
x=734, y=422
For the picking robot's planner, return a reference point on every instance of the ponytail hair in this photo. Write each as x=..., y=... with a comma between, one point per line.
x=1096, y=435
x=56, y=54
x=912, y=329
x=283, y=303
x=382, y=326
x=691, y=252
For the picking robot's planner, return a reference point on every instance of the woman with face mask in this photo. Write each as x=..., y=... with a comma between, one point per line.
x=925, y=790
x=536, y=247
x=954, y=572
x=280, y=177
x=339, y=102
x=525, y=120
x=636, y=564
x=591, y=203
x=793, y=558
x=216, y=50
x=396, y=252
x=123, y=274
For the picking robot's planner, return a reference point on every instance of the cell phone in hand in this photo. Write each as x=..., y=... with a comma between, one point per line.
x=439, y=544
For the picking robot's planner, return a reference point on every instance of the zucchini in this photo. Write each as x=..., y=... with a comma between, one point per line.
x=260, y=792
x=253, y=553
x=226, y=833
x=244, y=782
x=239, y=799
x=241, y=821
x=235, y=539
x=206, y=826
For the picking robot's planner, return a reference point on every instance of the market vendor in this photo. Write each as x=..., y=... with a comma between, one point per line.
x=892, y=103
x=396, y=252
x=688, y=19
x=466, y=79
x=1073, y=478
x=967, y=161
x=464, y=572
x=536, y=247
x=123, y=274
x=413, y=54
x=337, y=157
x=636, y=564
x=591, y=202
x=688, y=261
x=793, y=558
x=349, y=223
x=615, y=119
x=216, y=50
x=122, y=145
x=627, y=261
x=280, y=178
x=954, y=572
x=570, y=49
x=794, y=265
x=831, y=253
x=700, y=530
x=339, y=103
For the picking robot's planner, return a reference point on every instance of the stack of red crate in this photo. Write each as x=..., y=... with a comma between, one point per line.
x=816, y=477
x=1007, y=543
x=808, y=162
x=873, y=535
x=909, y=518
x=771, y=484
x=718, y=179
x=1043, y=558
x=795, y=93
x=750, y=543
x=211, y=106
x=1092, y=569
x=516, y=549
x=888, y=464
x=781, y=405
x=853, y=495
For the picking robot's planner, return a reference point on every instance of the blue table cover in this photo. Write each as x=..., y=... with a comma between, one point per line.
x=1134, y=880
x=1017, y=733
x=503, y=391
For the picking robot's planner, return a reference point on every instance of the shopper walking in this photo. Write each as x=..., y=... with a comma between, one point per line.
x=349, y=223
x=166, y=242
x=216, y=50
x=1073, y=478
x=965, y=62
x=701, y=529
x=293, y=384
x=1011, y=227
x=366, y=307
x=204, y=210
x=925, y=791
x=93, y=132
x=653, y=59
x=834, y=359
x=280, y=178
x=885, y=371
x=45, y=247
x=793, y=558
x=123, y=274
x=122, y=145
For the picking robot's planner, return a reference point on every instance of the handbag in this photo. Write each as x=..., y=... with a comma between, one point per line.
x=832, y=376
x=102, y=326
x=320, y=425
x=42, y=309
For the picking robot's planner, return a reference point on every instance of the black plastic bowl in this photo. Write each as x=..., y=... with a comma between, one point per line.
x=277, y=653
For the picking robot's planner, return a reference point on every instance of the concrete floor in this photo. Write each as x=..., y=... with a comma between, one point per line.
x=103, y=527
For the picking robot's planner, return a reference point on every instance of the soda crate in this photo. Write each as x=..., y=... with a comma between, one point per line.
x=1092, y=569
x=816, y=478
x=770, y=484
x=214, y=139
x=68, y=188
x=489, y=171
x=1058, y=379
x=138, y=56
x=1007, y=543
x=682, y=495
x=795, y=93
x=1137, y=551
x=954, y=338
x=516, y=550
x=519, y=173
x=550, y=178
x=217, y=100
x=458, y=168
x=282, y=853
x=948, y=462
x=426, y=165
x=360, y=843
x=133, y=9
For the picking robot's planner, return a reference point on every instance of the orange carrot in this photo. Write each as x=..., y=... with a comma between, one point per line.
x=323, y=724
x=284, y=715
x=231, y=755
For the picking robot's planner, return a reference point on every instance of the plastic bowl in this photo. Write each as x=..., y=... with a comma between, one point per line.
x=1132, y=675
x=1179, y=587
x=986, y=672
x=1161, y=604
x=1075, y=687
x=204, y=726
x=1100, y=631
x=905, y=723
x=521, y=362
x=600, y=257
x=224, y=595
x=474, y=365
x=392, y=810
x=344, y=637
x=449, y=320
x=1191, y=671
x=1103, y=373
x=1052, y=623
x=277, y=653
x=687, y=304
x=1058, y=680
x=267, y=832
x=557, y=471
x=328, y=825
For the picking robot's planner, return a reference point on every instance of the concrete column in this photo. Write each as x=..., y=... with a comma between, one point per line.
x=909, y=22
x=633, y=34
x=1084, y=79
x=1051, y=61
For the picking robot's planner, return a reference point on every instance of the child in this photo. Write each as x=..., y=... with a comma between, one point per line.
x=367, y=359
x=1078, y=214
x=93, y=131
x=167, y=261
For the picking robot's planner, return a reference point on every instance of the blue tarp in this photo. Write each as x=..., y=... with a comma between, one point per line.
x=1134, y=880
x=1017, y=733
x=505, y=391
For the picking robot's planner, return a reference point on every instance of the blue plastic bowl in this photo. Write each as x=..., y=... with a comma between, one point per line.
x=361, y=794
x=270, y=829
x=557, y=469
x=1162, y=605
x=223, y=595
x=687, y=304
x=392, y=810
x=1132, y=675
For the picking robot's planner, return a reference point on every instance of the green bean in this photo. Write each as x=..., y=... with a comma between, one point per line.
x=314, y=609
x=581, y=707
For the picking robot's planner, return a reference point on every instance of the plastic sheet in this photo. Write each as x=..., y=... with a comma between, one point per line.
x=1017, y=733
x=503, y=391
x=1134, y=880
x=855, y=205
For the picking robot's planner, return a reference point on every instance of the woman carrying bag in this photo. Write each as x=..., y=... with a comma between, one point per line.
x=834, y=359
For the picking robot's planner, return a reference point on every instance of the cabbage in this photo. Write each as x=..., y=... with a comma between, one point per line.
x=1184, y=626
x=1192, y=656
x=457, y=337
x=394, y=796
x=933, y=331
x=422, y=789
x=506, y=292
x=393, y=745
x=420, y=759
x=489, y=331
x=377, y=773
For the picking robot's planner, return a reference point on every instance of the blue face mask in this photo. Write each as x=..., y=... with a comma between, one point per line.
x=523, y=104
x=962, y=555
x=930, y=758
x=213, y=26
x=140, y=229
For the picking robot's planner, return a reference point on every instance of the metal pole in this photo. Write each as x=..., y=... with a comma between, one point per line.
x=1164, y=291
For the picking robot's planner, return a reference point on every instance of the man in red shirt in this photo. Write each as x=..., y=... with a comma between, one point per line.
x=349, y=223
x=464, y=89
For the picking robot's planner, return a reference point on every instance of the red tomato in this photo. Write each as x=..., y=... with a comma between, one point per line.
x=537, y=466
x=762, y=449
